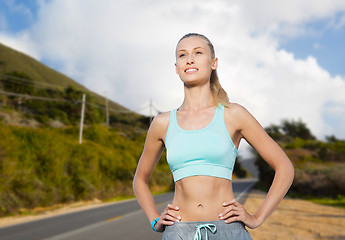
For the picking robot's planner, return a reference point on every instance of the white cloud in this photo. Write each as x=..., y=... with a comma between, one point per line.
x=287, y=17
x=126, y=48
x=22, y=42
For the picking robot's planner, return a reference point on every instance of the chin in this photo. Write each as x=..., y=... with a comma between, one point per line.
x=193, y=81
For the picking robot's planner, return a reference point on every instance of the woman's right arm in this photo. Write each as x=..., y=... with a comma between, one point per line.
x=152, y=152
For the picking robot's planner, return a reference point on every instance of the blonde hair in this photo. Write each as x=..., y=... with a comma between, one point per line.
x=218, y=93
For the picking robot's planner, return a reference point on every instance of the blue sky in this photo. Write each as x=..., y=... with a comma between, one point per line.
x=19, y=14
x=327, y=45
x=286, y=61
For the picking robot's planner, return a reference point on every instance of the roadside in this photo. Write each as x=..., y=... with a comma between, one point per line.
x=56, y=211
x=298, y=219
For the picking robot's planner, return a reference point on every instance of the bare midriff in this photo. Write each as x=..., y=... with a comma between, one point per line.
x=200, y=198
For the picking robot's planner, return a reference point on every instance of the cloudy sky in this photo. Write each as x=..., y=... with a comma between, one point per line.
x=279, y=59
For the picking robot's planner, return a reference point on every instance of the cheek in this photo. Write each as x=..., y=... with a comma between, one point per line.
x=178, y=67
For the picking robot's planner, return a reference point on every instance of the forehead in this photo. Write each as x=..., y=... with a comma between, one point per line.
x=191, y=43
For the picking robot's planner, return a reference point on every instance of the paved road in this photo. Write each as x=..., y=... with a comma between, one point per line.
x=123, y=220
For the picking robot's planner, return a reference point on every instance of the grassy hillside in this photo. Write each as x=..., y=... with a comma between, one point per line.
x=319, y=165
x=15, y=61
x=23, y=75
x=42, y=167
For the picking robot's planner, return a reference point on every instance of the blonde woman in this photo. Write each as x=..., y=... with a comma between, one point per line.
x=202, y=137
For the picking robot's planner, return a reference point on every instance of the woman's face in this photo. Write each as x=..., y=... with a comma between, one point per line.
x=194, y=62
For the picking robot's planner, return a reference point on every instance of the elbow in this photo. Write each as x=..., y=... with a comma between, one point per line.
x=135, y=183
x=286, y=171
x=291, y=173
x=138, y=183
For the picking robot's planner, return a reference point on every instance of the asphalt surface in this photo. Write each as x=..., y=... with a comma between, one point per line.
x=124, y=220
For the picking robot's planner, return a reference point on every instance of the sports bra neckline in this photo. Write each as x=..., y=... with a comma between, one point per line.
x=196, y=130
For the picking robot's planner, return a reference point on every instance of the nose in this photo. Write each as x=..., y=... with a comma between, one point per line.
x=190, y=59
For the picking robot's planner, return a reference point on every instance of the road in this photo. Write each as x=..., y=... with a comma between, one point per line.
x=124, y=220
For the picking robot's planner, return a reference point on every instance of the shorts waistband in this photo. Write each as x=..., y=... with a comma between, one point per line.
x=220, y=225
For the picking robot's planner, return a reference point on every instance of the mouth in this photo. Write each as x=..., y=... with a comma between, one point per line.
x=191, y=70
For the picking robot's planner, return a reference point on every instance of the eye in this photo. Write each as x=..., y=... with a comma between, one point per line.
x=198, y=52
x=182, y=55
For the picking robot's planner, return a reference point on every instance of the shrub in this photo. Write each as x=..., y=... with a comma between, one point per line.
x=41, y=167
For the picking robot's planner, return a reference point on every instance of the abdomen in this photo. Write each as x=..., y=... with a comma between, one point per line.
x=200, y=198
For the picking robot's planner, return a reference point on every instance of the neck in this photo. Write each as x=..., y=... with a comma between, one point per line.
x=197, y=97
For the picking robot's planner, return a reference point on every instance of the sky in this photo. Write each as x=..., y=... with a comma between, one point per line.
x=278, y=59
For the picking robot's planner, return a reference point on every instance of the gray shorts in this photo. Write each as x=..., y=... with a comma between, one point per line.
x=203, y=230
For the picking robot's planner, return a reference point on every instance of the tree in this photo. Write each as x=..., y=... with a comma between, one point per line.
x=297, y=129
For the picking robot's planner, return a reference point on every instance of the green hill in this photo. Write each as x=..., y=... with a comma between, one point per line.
x=14, y=61
x=23, y=75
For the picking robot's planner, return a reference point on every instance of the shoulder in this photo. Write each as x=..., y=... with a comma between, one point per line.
x=161, y=119
x=159, y=125
x=238, y=115
x=236, y=110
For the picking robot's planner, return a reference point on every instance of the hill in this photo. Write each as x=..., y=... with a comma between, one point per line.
x=33, y=84
x=319, y=165
x=14, y=61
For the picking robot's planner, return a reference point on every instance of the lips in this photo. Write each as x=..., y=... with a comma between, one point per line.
x=190, y=70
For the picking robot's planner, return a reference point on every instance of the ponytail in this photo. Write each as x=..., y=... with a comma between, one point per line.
x=218, y=93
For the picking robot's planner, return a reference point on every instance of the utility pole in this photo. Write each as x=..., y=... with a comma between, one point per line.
x=82, y=120
x=106, y=110
x=1, y=74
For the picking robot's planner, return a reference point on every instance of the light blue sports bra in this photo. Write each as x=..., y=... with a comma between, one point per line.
x=209, y=151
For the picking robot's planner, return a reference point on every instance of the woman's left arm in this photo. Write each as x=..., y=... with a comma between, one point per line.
x=269, y=150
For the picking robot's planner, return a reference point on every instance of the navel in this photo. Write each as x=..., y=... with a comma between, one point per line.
x=200, y=205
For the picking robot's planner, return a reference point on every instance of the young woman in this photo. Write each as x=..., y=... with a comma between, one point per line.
x=202, y=137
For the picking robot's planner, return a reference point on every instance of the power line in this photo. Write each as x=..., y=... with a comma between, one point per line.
x=26, y=81
x=35, y=97
x=19, y=82
x=61, y=100
x=15, y=79
x=30, y=81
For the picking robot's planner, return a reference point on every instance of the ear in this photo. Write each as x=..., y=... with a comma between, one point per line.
x=176, y=68
x=214, y=64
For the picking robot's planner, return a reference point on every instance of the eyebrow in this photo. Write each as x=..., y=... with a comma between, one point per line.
x=193, y=49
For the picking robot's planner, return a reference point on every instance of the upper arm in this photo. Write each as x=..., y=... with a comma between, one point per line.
x=256, y=136
x=153, y=148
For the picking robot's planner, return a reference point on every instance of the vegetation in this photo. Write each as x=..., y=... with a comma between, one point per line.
x=62, y=105
x=319, y=165
x=339, y=201
x=41, y=167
